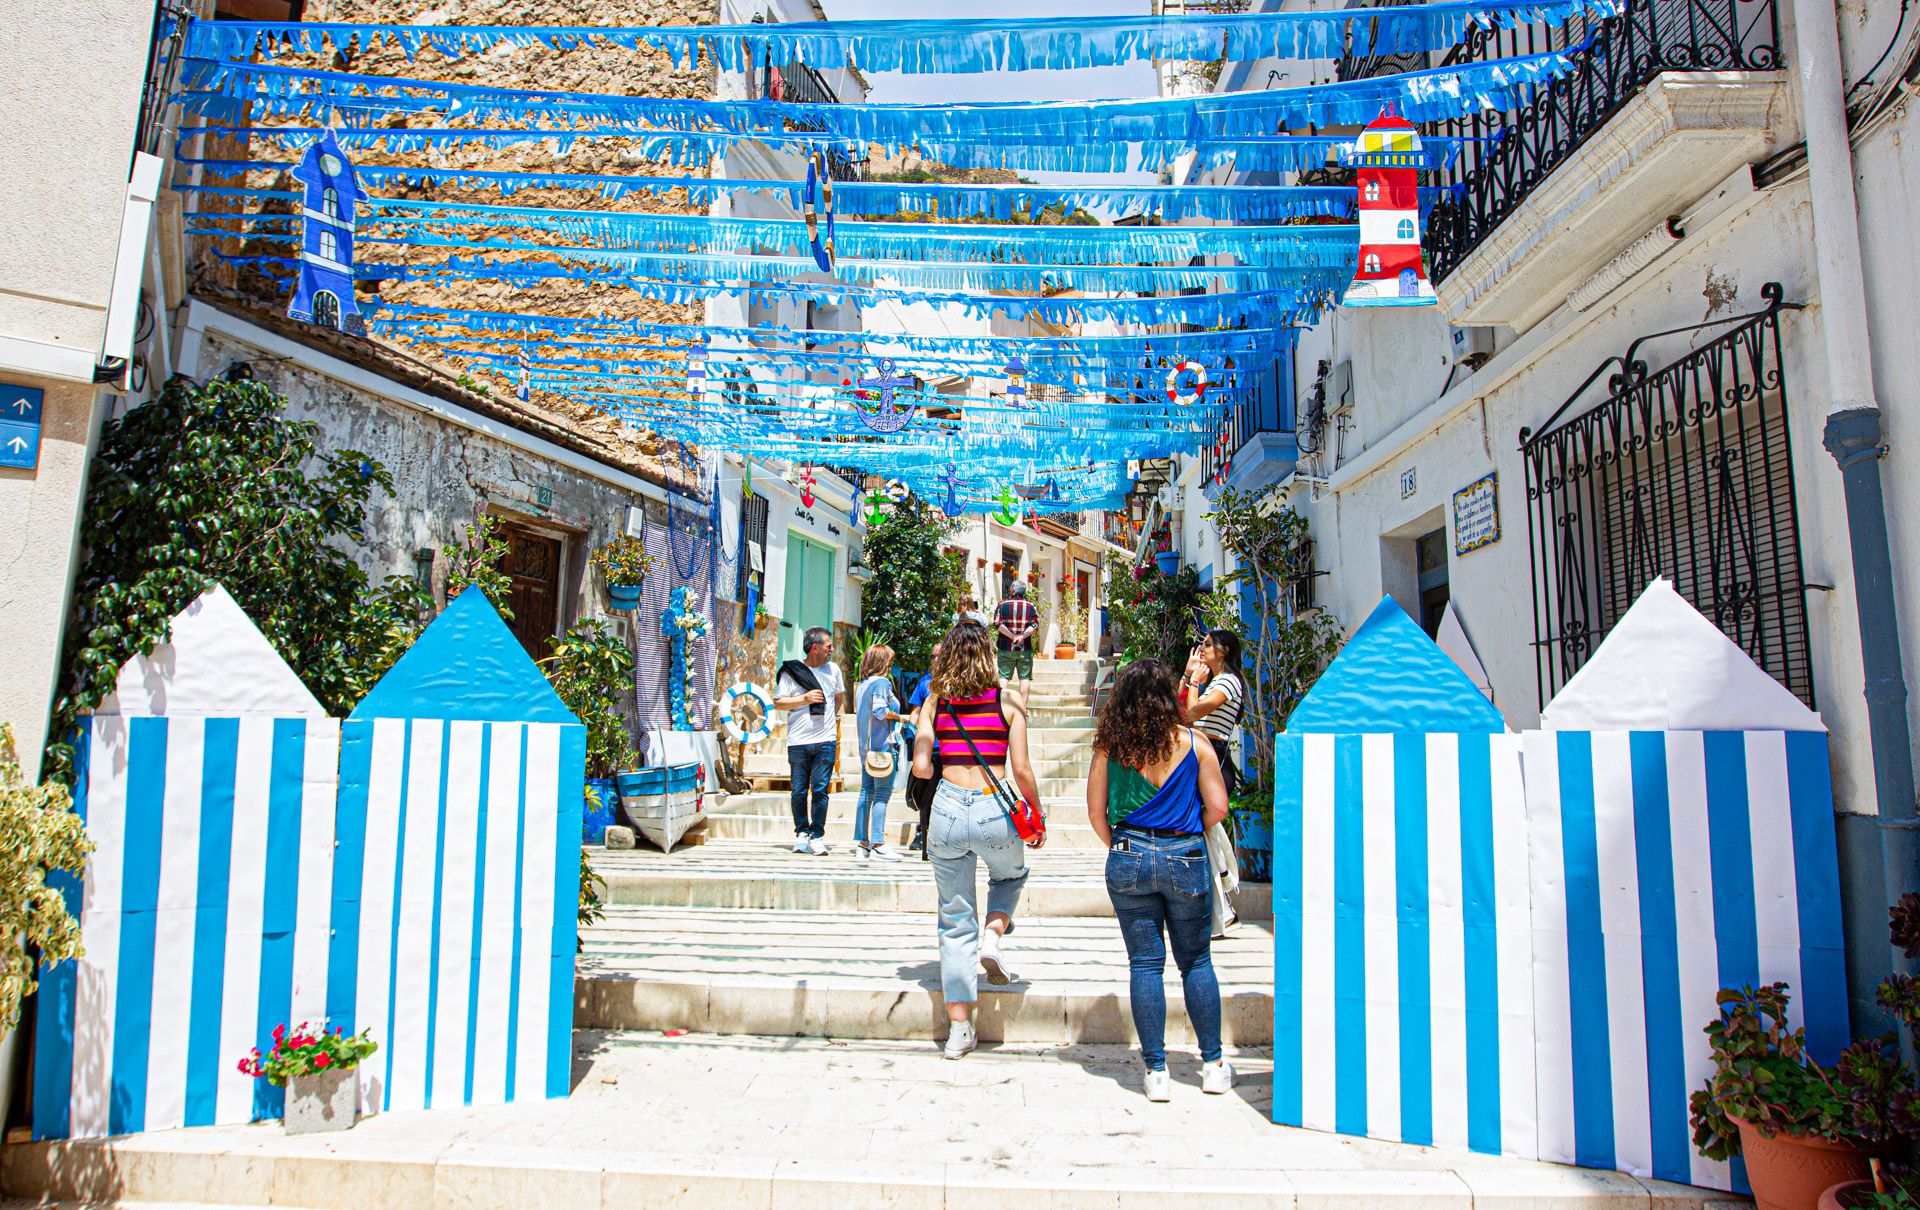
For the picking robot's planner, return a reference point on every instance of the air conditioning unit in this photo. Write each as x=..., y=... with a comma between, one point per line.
x=1472, y=345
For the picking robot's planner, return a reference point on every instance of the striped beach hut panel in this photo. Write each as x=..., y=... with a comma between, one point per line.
x=457, y=877
x=1402, y=964
x=1682, y=841
x=207, y=785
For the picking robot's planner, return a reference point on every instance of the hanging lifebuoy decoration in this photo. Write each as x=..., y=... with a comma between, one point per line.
x=734, y=730
x=883, y=500
x=1187, y=384
x=806, y=487
x=819, y=206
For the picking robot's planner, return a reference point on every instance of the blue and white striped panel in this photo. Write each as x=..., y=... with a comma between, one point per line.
x=204, y=914
x=456, y=888
x=1667, y=865
x=1402, y=963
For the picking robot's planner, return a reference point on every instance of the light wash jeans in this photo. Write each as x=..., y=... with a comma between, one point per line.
x=965, y=826
x=870, y=809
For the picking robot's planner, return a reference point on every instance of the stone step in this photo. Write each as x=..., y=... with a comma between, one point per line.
x=877, y=975
x=1067, y=826
x=754, y=1123
x=768, y=875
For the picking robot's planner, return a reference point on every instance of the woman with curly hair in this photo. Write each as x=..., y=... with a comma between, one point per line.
x=1154, y=788
x=974, y=731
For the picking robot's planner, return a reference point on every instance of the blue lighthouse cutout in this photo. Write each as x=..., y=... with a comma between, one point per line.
x=324, y=293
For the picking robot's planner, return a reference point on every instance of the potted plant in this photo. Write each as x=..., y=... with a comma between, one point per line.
x=316, y=1069
x=1881, y=1092
x=623, y=563
x=1073, y=628
x=1251, y=813
x=591, y=669
x=1771, y=1103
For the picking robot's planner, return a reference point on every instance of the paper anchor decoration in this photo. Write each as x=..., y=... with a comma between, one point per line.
x=323, y=291
x=887, y=418
x=950, y=504
x=1388, y=156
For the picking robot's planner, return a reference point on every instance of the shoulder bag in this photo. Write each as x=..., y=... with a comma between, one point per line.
x=1027, y=819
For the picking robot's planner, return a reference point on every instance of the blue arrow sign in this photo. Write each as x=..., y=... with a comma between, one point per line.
x=20, y=425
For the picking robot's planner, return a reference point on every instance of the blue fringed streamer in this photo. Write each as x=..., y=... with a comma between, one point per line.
x=224, y=91
x=948, y=46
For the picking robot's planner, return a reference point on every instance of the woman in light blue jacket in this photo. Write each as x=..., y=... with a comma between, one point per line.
x=876, y=713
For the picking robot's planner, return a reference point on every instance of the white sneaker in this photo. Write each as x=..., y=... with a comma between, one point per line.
x=861, y=852
x=998, y=972
x=818, y=847
x=961, y=1038
x=1159, y=1085
x=881, y=852
x=1216, y=1077
x=803, y=845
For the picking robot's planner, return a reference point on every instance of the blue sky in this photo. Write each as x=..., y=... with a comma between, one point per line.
x=1130, y=80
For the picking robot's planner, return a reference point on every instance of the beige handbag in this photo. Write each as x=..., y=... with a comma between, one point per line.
x=879, y=763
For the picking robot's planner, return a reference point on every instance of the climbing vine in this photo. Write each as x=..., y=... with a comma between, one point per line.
x=213, y=485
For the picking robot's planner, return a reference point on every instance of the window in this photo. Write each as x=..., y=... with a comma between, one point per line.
x=329, y=244
x=1373, y=191
x=1373, y=262
x=330, y=202
x=1406, y=229
x=326, y=309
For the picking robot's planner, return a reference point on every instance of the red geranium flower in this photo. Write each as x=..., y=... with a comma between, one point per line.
x=322, y=1059
x=279, y=1032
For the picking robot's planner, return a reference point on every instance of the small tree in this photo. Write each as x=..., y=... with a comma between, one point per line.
x=1160, y=615
x=213, y=485
x=588, y=669
x=38, y=832
x=476, y=561
x=917, y=584
x=1288, y=646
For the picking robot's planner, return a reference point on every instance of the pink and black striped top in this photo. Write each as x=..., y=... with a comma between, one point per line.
x=985, y=725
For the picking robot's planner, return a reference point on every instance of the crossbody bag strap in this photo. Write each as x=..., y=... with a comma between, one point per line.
x=1000, y=793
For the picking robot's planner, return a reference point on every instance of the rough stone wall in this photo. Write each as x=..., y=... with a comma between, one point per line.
x=531, y=67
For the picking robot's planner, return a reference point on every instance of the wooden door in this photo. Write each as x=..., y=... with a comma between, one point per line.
x=533, y=562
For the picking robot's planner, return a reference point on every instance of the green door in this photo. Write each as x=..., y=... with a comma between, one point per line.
x=809, y=599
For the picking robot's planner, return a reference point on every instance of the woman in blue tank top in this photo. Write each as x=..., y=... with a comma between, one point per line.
x=1154, y=787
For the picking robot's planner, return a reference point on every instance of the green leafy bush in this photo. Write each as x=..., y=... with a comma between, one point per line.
x=38, y=832
x=478, y=561
x=590, y=669
x=917, y=583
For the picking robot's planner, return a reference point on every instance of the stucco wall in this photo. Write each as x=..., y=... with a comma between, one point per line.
x=39, y=520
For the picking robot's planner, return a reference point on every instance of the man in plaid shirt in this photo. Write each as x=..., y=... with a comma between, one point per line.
x=1015, y=621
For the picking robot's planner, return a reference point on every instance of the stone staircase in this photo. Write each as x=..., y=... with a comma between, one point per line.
x=738, y=935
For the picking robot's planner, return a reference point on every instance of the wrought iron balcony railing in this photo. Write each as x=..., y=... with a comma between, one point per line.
x=1269, y=410
x=803, y=85
x=1684, y=472
x=1507, y=155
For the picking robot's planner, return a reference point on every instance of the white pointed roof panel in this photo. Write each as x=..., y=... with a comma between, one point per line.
x=215, y=662
x=1452, y=639
x=1665, y=667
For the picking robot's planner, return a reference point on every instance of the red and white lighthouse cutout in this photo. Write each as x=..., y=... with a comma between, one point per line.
x=1389, y=157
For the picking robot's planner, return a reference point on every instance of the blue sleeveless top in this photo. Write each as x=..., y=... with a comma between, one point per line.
x=1175, y=806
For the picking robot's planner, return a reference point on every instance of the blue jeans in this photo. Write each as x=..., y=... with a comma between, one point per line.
x=812, y=768
x=965, y=826
x=1162, y=890
x=870, y=809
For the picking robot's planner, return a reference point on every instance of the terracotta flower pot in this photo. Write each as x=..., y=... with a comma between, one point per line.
x=1791, y=1172
x=1063, y=652
x=1841, y=1196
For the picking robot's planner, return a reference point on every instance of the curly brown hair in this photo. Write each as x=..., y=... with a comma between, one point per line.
x=1138, y=726
x=965, y=666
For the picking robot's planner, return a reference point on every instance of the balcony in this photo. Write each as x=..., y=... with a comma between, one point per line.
x=802, y=85
x=1260, y=433
x=1669, y=99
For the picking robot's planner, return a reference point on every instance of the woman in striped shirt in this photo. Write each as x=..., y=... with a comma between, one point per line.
x=1213, y=694
x=972, y=727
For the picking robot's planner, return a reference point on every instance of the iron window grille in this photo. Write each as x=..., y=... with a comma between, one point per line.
x=1507, y=155
x=1684, y=472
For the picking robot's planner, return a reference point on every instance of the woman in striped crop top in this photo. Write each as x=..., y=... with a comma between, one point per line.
x=972, y=726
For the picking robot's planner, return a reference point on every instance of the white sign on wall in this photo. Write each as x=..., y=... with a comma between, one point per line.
x=1476, y=514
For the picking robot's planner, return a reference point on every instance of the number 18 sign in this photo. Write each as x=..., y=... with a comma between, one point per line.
x=20, y=425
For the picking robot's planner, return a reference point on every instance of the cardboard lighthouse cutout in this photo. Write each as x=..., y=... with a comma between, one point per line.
x=329, y=191
x=1388, y=157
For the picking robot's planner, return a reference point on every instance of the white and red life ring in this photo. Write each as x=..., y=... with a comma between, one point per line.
x=1195, y=376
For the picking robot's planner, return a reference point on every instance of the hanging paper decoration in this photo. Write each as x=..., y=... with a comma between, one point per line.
x=323, y=290
x=821, y=185
x=1009, y=511
x=697, y=369
x=806, y=487
x=950, y=504
x=1187, y=384
x=680, y=624
x=1016, y=381
x=525, y=364
x=883, y=500
x=1391, y=273
x=1052, y=495
x=887, y=418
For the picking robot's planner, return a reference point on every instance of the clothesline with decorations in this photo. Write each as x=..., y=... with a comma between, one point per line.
x=1050, y=43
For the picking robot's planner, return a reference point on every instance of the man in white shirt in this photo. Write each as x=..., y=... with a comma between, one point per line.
x=809, y=691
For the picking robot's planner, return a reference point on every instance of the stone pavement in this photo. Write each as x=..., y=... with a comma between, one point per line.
x=746, y=1122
